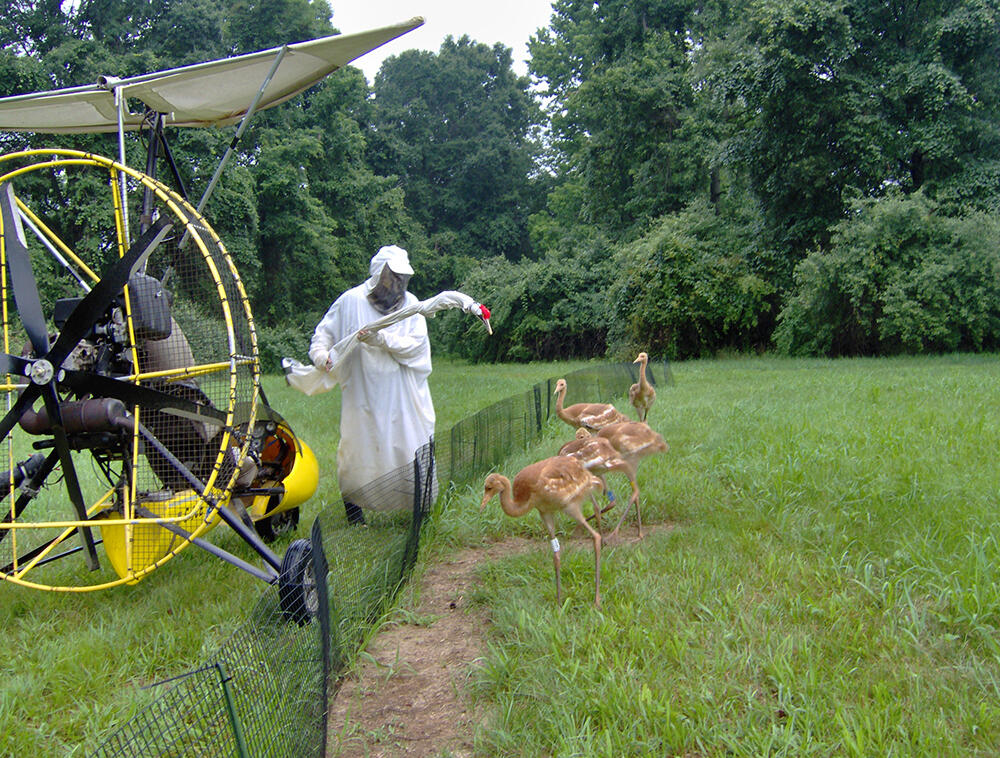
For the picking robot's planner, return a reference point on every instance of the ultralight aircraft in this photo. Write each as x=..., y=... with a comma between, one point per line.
x=133, y=416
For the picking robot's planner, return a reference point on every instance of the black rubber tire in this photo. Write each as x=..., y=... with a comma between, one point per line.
x=272, y=527
x=297, y=593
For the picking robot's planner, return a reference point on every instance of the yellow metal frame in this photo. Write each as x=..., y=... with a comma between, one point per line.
x=195, y=512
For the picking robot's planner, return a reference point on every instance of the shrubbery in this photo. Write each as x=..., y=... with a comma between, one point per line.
x=285, y=341
x=547, y=310
x=898, y=277
x=687, y=288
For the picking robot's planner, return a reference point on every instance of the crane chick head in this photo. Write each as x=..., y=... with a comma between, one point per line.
x=642, y=358
x=493, y=486
x=560, y=386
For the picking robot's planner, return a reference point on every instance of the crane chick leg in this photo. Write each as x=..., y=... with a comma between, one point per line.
x=597, y=506
x=576, y=513
x=634, y=500
x=605, y=509
x=550, y=525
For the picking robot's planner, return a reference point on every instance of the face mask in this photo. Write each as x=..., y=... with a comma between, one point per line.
x=387, y=295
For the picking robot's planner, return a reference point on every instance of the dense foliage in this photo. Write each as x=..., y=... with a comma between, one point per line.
x=899, y=277
x=679, y=176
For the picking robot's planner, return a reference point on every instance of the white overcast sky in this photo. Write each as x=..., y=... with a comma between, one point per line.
x=510, y=22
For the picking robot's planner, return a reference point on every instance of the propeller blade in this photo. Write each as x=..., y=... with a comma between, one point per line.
x=29, y=305
x=14, y=364
x=24, y=401
x=68, y=470
x=113, y=280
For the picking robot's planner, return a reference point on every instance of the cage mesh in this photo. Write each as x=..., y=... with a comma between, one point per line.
x=276, y=670
x=173, y=333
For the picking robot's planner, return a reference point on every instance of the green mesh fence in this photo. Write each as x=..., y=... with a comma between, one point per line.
x=265, y=693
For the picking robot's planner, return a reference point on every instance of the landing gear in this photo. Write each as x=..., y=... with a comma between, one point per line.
x=272, y=527
x=297, y=590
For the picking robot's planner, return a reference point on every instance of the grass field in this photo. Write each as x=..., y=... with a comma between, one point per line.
x=75, y=664
x=829, y=586
x=830, y=589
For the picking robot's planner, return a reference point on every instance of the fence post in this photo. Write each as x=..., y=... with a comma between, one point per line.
x=321, y=571
x=227, y=694
x=413, y=540
x=538, y=408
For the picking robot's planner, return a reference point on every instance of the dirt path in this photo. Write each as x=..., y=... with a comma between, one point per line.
x=406, y=697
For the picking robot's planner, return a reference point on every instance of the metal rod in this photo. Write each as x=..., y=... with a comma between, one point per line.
x=248, y=534
x=268, y=576
x=120, y=104
x=26, y=213
x=224, y=677
x=28, y=556
x=243, y=125
x=146, y=212
x=170, y=160
x=251, y=537
x=52, y=249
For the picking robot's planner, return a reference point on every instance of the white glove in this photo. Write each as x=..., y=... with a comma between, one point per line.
x=375, y=339
x=321, y=359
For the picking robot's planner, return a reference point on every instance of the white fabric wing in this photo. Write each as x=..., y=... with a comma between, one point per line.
x=214, y=93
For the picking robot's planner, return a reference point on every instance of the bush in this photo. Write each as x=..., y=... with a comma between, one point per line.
x=289, y=340
x=899, y=277
x=689, y=288
x=551, y=309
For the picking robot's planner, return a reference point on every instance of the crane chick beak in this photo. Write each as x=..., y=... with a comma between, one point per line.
x=486, y=498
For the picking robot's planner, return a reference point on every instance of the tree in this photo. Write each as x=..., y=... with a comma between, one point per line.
x=262, y=24
x=617, y=78
x=898, y=277
x=549, y=309
x=689, y=287
x=859, y=96
x=457, y=129
x=323, y=212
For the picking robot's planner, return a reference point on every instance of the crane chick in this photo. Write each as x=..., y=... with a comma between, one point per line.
x=550, y=486
x=634, y=441
x=587, y=415
x=642, y=395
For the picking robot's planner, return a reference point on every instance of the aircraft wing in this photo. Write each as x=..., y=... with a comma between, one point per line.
x=215, y=93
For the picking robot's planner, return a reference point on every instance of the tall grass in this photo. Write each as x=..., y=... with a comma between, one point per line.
x=830, y=586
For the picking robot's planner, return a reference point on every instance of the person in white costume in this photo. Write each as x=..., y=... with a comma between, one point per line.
x=386, y=408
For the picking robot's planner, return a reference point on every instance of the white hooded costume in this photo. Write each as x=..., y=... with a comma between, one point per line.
x=386, y=407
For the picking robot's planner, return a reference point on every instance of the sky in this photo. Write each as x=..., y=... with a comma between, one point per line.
x=508, y=21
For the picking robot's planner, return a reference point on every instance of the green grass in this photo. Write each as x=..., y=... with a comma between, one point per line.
x=830, y=586
x=75, y=663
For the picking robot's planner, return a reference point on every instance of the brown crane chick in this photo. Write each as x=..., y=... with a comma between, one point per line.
x=634, y=441
x=600, y=458
x=587, y=415
x=550, y=486
x=642, y=395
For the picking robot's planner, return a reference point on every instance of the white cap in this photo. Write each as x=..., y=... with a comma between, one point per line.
x=392, y=256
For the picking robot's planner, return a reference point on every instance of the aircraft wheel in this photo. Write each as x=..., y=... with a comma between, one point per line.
x=297, y=592
x=272, y=527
